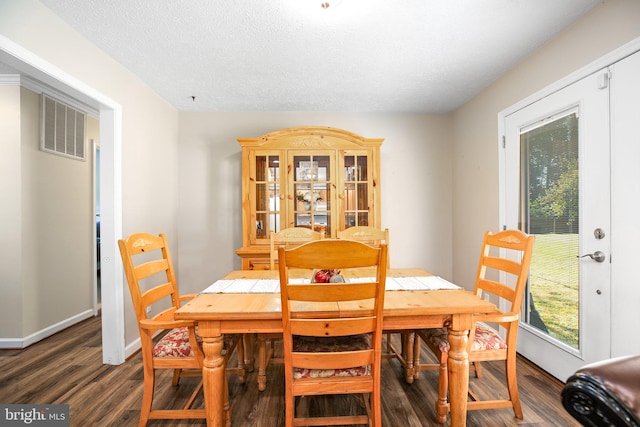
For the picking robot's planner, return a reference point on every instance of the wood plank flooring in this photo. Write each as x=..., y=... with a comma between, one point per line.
x=67, y=368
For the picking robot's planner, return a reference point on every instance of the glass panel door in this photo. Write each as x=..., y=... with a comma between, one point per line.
x=312, y=192
x=557, y=187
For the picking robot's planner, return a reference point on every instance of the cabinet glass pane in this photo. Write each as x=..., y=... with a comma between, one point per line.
x=362, y=168
x=312, y=192
x=350, y=196
x=349, y=220
x=363, y=218
x=267, y=195
x=356, y=190
x=363, y=200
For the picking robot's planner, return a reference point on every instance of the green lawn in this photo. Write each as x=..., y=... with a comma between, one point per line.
x=554, y=274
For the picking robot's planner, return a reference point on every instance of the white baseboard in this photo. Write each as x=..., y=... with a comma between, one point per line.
x=132, y=347
x=44, y=333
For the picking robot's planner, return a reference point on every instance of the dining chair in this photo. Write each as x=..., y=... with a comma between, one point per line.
x=332, y=331
x=376, y=236
x=153, y=286
x=289, y=238
x=366, y=234
x=502, y=273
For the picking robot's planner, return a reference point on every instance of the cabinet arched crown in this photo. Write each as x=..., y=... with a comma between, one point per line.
x=309, y=176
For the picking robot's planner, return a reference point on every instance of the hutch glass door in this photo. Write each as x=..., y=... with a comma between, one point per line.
x=356, y=190
x=312, y=195
x=268, y=194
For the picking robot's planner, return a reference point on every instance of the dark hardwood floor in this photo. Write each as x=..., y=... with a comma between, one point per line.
x=67, y=368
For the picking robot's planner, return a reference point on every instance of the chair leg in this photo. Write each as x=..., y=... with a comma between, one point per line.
x=264, y=353
x=375, y=408
x=290, y=407
x=247, y=340
x=241, y=363
x=442, y=405
x=477, y=366
x=227, y=405
x=147, y=395
x=176, y=377
x=512, y=384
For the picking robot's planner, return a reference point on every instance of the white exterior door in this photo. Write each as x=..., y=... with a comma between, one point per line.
x=625, y=201
x=556, y=171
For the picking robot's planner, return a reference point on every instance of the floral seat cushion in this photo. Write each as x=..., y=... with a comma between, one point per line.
x=176, y=344
x=486, y=338
x=330, y=344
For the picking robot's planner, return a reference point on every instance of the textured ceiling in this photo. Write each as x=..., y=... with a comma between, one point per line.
x=292, y=55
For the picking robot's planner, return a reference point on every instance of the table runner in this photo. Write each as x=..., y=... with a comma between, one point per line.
x=244, y=286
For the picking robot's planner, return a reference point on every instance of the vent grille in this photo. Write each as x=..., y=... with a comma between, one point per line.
x=63, y=129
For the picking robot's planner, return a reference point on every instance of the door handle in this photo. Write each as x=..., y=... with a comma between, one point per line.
x=597, y=256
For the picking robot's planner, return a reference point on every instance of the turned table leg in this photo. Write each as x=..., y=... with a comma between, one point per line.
x=458, y=365
x=213, y=378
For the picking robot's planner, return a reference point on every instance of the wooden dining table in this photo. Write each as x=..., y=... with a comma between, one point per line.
x=243, y=313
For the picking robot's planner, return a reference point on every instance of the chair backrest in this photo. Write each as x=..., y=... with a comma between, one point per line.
x=507, y=252
x=150, y=275
x=328, y=322
x=290, y=237
x=366, y=234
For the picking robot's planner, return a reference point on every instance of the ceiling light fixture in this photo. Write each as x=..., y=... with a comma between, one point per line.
x=330, y=4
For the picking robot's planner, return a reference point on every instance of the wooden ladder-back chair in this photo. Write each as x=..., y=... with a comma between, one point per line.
x=366, y=234
x=152, y=283
x=289, y=238
x=332, y=345
x=376, y=236
x=502, y=272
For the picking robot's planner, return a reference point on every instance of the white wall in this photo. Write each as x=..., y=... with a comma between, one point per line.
x=475, y=152
x=415, y=186
x=149, y=128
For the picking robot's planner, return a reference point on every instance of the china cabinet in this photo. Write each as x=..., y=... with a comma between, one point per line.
x=321, y=178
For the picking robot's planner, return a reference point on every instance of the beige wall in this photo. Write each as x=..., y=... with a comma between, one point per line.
x=475, y=152
x=149, y=127
x=57, y=228
x=415, y=175
x=10, y=213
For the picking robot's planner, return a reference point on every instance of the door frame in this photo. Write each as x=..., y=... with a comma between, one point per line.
x=599, y=64
x=25, y=61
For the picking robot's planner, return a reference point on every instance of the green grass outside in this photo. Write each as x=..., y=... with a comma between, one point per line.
x=553, y=284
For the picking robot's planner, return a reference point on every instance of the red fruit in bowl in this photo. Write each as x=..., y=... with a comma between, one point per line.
x=323, y=276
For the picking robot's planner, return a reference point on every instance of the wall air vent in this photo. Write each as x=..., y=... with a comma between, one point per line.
x=62, y=129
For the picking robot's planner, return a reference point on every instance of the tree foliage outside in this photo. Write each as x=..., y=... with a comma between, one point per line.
x=552, y=177
x=561, y=199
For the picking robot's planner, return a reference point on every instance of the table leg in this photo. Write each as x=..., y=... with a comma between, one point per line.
x=248, y=351
x=458, y=364
x=213, y=379
x=408, y=341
